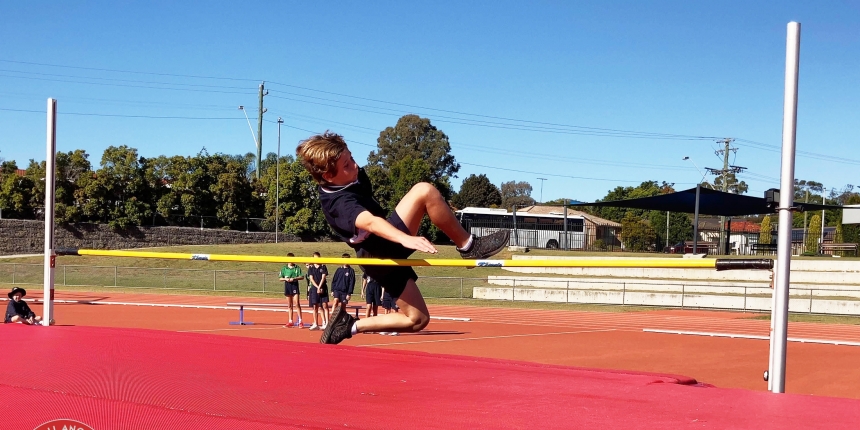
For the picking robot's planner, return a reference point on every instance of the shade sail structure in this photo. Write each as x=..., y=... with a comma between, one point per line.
x=711, y=202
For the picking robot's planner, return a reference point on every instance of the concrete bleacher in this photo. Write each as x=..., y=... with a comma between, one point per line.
x=816, y=286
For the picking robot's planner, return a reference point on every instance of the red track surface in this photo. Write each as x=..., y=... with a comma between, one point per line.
x=111, y=376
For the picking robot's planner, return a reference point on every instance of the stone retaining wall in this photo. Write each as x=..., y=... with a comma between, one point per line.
x=28, y=237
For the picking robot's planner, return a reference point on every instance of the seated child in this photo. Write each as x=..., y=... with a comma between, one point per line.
x=17, y=311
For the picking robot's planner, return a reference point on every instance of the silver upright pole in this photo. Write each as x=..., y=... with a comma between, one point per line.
x=50, y=179
x=779, y=314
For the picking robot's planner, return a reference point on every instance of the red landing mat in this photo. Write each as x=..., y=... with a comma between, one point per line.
x=143, y=379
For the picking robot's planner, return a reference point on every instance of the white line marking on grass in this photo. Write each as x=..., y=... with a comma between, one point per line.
x=488, y=337
x=752, y=336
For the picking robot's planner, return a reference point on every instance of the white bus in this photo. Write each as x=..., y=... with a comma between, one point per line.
x=531, y=230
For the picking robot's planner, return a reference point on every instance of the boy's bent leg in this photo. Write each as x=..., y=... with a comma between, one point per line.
x=424, y=198
x=414, y=316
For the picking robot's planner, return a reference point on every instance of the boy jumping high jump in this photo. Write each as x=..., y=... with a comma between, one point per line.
x=347, y=202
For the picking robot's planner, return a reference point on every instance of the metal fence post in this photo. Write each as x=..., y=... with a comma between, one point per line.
x=13, y=273
x=683, y=293
x=567, y=295
x=461, y=288
x=64, y=275
x=264, y=282
x=114, y=276
x=810, y=300
x=514, y=291
x=624, y=293
x=214, y=280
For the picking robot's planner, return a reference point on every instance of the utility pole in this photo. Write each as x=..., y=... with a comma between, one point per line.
x=541, y=189
x=262, y=110
x=724, y=186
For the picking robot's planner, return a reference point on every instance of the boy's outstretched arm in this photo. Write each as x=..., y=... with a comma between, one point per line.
x=384, y=229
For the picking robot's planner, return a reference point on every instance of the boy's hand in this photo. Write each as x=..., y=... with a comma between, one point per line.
x=419, y=243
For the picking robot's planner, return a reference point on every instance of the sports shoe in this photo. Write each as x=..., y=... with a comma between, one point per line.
x=300, y=324
x=325, y=324
x=288, y=325
x=383, y=333
x=339, y=328
x=314, y=327
x=394, y=333
x=487, y=246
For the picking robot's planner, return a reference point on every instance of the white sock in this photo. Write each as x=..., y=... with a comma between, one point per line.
x=468, y=245
x=354, y=330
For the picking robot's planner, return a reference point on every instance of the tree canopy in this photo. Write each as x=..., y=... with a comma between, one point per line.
x=477, y=191
x=516, y=194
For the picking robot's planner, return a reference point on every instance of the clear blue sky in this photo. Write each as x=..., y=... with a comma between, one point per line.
x=478, y=70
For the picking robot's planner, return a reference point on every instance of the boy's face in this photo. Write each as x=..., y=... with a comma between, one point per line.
x=346, y=170
x=16, y=297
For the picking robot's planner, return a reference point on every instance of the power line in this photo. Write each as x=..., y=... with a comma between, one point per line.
x=123, y=116
x=129, y=71
x=123, y=85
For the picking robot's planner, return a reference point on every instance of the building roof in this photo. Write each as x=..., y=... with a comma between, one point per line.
x=558, y=210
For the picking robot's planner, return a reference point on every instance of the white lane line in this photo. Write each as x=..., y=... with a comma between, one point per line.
x=487, y=337
x=166, y=305
x=231, y=329
x=752, y=336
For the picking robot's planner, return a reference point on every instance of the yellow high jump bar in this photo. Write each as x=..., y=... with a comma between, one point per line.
x=665, y=263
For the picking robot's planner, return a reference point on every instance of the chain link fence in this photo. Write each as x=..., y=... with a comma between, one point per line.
x=225, y=281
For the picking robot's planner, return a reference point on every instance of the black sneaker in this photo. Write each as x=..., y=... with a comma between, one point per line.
x=487, y=246
x=339, y=327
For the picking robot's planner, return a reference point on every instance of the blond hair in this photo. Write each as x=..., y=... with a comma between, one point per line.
x=319, y=154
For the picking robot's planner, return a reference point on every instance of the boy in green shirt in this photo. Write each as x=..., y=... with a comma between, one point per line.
x=291, y=275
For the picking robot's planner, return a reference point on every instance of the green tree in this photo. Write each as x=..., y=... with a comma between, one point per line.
x=16, y=193
x=645, y=189
x=766, y=233
x=813, y=234
x=416, y=138
x=71, y=170
x=120, y=194
x=477, y=191
x=516, y=193
x=410, y=152
x=298, y=207
x=636, y=234
x=680, y=227
x=734, y=185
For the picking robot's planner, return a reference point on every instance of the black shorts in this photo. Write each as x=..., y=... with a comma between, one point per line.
x=393, y=278
x=291, y=289
x=387, y=302
x=313, y=296
x=340, y=295
x=372, y=293
x=324, y=295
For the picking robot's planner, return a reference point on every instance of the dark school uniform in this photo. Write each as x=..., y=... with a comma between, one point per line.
x=342, y=205
x=19, y=308
x=315, y=296
x=387, y=300
x=343, y=283
x=372, y=291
